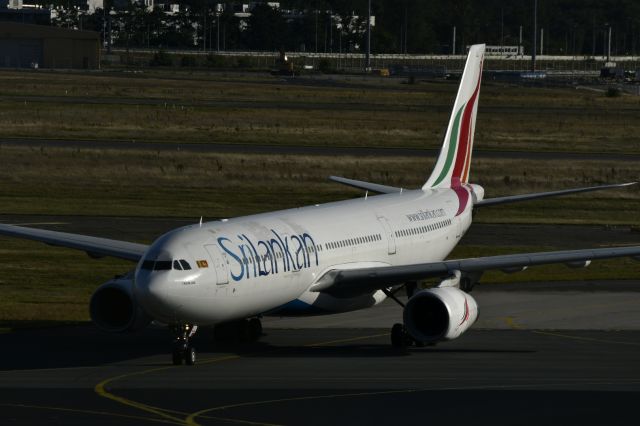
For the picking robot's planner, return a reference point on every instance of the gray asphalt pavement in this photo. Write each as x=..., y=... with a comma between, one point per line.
x=304, y=150
x=321, y=376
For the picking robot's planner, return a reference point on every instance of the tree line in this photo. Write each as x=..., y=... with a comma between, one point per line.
x=401, y=26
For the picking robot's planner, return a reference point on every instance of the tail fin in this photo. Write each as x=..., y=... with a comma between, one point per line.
x=452, y=167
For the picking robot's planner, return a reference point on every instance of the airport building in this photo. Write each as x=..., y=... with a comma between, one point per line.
x=40, y=46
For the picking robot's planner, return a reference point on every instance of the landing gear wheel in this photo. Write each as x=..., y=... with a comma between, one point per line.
x=182, y=350
x=399, y=336
x=190, y=355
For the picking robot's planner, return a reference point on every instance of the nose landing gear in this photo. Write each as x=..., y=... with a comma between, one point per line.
x=182, y=350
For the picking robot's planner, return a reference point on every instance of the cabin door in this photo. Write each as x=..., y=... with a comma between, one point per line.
x=391, y=239
x=220, y=263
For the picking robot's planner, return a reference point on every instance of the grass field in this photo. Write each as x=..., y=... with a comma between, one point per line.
x=349, y=111
x=179, y=184
x=41, y=284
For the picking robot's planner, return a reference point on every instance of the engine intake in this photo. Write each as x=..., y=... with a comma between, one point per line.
x=113, y=309
x=439, y=314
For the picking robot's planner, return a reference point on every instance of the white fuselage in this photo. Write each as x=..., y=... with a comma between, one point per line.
x=266, y=263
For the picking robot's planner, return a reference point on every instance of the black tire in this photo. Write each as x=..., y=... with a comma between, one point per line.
x=190, y=355
x=398, y=336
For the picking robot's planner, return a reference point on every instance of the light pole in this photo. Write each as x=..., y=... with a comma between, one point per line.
x=501, y=28
x=330, y=31
x=609, y=46
x=453, y=43
x=316, y=25
x=368, y=56
x=406, y=29
x=535, y=35
x=204, y=26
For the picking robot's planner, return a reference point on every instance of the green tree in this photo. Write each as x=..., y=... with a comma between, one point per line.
x=266, y=29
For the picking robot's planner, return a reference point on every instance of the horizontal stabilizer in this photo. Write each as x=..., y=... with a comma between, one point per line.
x=383, y=189
x=535, y=196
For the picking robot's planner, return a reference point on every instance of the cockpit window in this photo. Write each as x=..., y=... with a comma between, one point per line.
x=162, y=265
x=166, y=265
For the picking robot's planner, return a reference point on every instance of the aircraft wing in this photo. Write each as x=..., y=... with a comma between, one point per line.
x=352, y=282
x=374, y=187
x=94, y=246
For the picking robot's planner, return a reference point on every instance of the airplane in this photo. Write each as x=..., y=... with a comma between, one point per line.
x=322, y=259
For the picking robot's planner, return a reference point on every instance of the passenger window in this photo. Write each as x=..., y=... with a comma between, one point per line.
x=176, y=265
x=185, y=265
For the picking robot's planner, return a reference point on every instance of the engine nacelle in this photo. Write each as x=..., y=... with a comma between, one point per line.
x=439, y=314
x=113, y=308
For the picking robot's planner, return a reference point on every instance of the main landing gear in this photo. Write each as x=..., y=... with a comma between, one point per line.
x=400, y=337
x=182, y=350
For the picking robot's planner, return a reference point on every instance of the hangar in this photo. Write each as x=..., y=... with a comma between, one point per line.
x=30, y=46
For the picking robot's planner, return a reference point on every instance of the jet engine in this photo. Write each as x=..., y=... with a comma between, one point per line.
x=113, y=308
x=441, y=313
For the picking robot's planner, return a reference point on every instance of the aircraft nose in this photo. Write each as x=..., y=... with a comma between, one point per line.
x=154, y=293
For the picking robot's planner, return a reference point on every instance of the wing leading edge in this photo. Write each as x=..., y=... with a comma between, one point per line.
x=360, y=281
x=94, y=246
x=526, y=197
x=375, y=187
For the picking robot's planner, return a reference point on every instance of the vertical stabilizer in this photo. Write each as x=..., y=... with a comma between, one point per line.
x=452, y=167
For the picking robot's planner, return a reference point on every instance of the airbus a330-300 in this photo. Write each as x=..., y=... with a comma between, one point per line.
x=322, y=259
